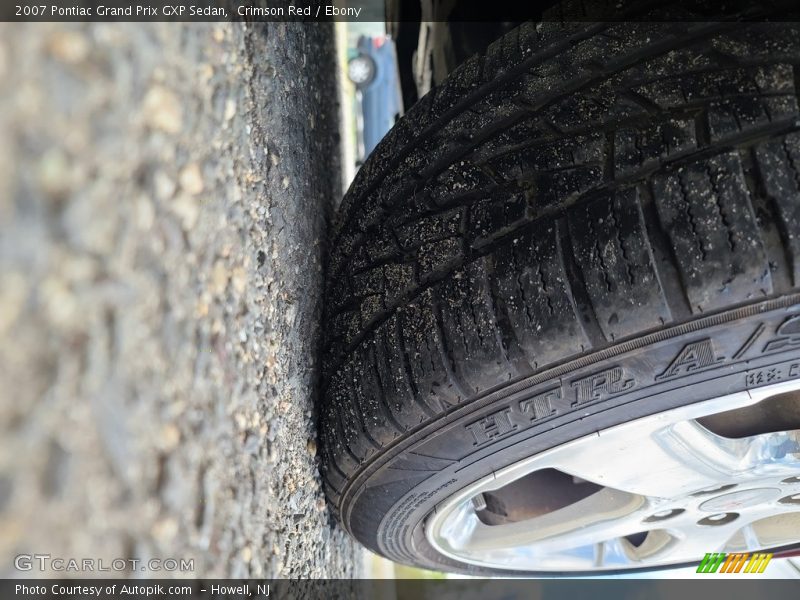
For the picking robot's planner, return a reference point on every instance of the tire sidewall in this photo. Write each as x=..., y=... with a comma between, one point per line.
x=386, y=505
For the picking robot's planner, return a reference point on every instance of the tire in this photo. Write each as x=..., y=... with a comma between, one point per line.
x=588, y=224
x=361, y=71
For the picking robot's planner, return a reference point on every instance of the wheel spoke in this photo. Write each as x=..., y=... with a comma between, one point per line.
x=658, y=463
x=681, y=458
x=585, y=522
x=693, y=541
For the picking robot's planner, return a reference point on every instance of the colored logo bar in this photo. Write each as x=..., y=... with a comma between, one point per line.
x=720, y=562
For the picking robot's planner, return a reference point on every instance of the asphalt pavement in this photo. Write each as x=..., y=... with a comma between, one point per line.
x=165, y=191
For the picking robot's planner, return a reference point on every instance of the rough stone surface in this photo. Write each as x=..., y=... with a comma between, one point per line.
x=164, y=192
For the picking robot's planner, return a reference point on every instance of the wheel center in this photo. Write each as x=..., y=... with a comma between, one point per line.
x=741, y=499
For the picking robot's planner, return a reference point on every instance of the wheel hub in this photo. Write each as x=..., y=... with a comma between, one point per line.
x=662, y=490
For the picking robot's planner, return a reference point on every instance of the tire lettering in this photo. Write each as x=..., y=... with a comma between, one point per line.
x=789, y=336
x=694, y=357
x=601, y=385
x=541, y=405
x=750, y=341
x=764, y=376
x=492, y=426
x=515, y=417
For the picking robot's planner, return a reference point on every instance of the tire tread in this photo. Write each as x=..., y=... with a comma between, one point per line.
x=574, y=187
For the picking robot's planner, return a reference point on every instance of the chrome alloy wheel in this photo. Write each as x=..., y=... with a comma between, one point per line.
x=717, y=476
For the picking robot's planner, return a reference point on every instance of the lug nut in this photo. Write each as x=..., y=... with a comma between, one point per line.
x=663, y=515
x=718, y=519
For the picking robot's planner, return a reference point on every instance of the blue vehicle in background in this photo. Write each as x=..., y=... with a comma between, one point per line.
x=373, y=70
